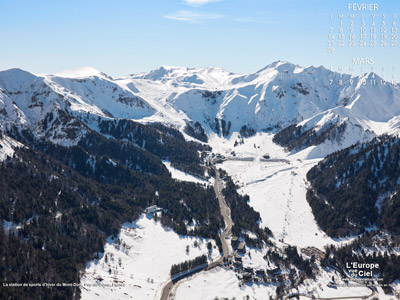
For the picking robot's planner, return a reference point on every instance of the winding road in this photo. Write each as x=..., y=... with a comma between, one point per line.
x=226, y=214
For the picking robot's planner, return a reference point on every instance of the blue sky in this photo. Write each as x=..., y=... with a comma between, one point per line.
x=121, y=37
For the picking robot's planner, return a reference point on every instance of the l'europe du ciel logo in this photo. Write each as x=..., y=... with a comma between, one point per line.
x=363, y=270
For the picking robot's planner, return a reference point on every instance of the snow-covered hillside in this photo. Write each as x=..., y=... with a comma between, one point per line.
x=137, y=262
x=7, y=146
x=182, y=176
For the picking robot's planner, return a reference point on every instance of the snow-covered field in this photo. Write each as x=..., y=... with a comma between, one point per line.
x=139, y=265
x=220, y=283
x=321, y=289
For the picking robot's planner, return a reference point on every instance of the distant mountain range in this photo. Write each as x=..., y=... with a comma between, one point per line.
x=210, y=99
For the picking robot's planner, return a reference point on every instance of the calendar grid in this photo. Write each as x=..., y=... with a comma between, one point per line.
x=363, y=28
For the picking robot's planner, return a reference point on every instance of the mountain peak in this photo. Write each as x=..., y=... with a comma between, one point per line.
x=170, y=72
x=15, y=78
x=281, y=66
x=17, y=73
x=81, y=73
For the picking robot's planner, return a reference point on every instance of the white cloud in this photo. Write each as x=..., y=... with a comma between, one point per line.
x=199, y=2
x=193, y=17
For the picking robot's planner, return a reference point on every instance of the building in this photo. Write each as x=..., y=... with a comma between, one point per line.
x=234, y=242
x=247, y=276
x=238, y=258
x=152, y=209
x=241, y=248
x=274, y=271
x=238, y=264
x=331, y=284
x=260, y=273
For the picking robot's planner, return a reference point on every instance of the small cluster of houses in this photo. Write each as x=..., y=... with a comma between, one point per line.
x=218, y=158
x=249, y=274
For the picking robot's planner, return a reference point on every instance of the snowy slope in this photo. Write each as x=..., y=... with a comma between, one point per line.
x=7, y=146
x=99, y=91
x=26, y=99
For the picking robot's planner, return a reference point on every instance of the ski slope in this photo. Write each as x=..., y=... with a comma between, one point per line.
x=183, y=176
x=139, y=265
x=276, y=187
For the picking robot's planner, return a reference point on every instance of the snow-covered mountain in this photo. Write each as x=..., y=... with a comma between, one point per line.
x=273, y=98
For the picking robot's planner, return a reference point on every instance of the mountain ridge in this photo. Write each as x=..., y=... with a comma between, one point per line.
x=220, y=102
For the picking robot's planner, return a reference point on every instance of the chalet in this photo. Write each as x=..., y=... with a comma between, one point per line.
x=241, y=248
x=234, y=242
x=247, y=276
x=248, y=270
x=260, y=273
x=238, y=264
x=152, y=209
x=238, y=258
x=274, y=271
x=331, y=284
x=258, y=279
x=219, y=156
